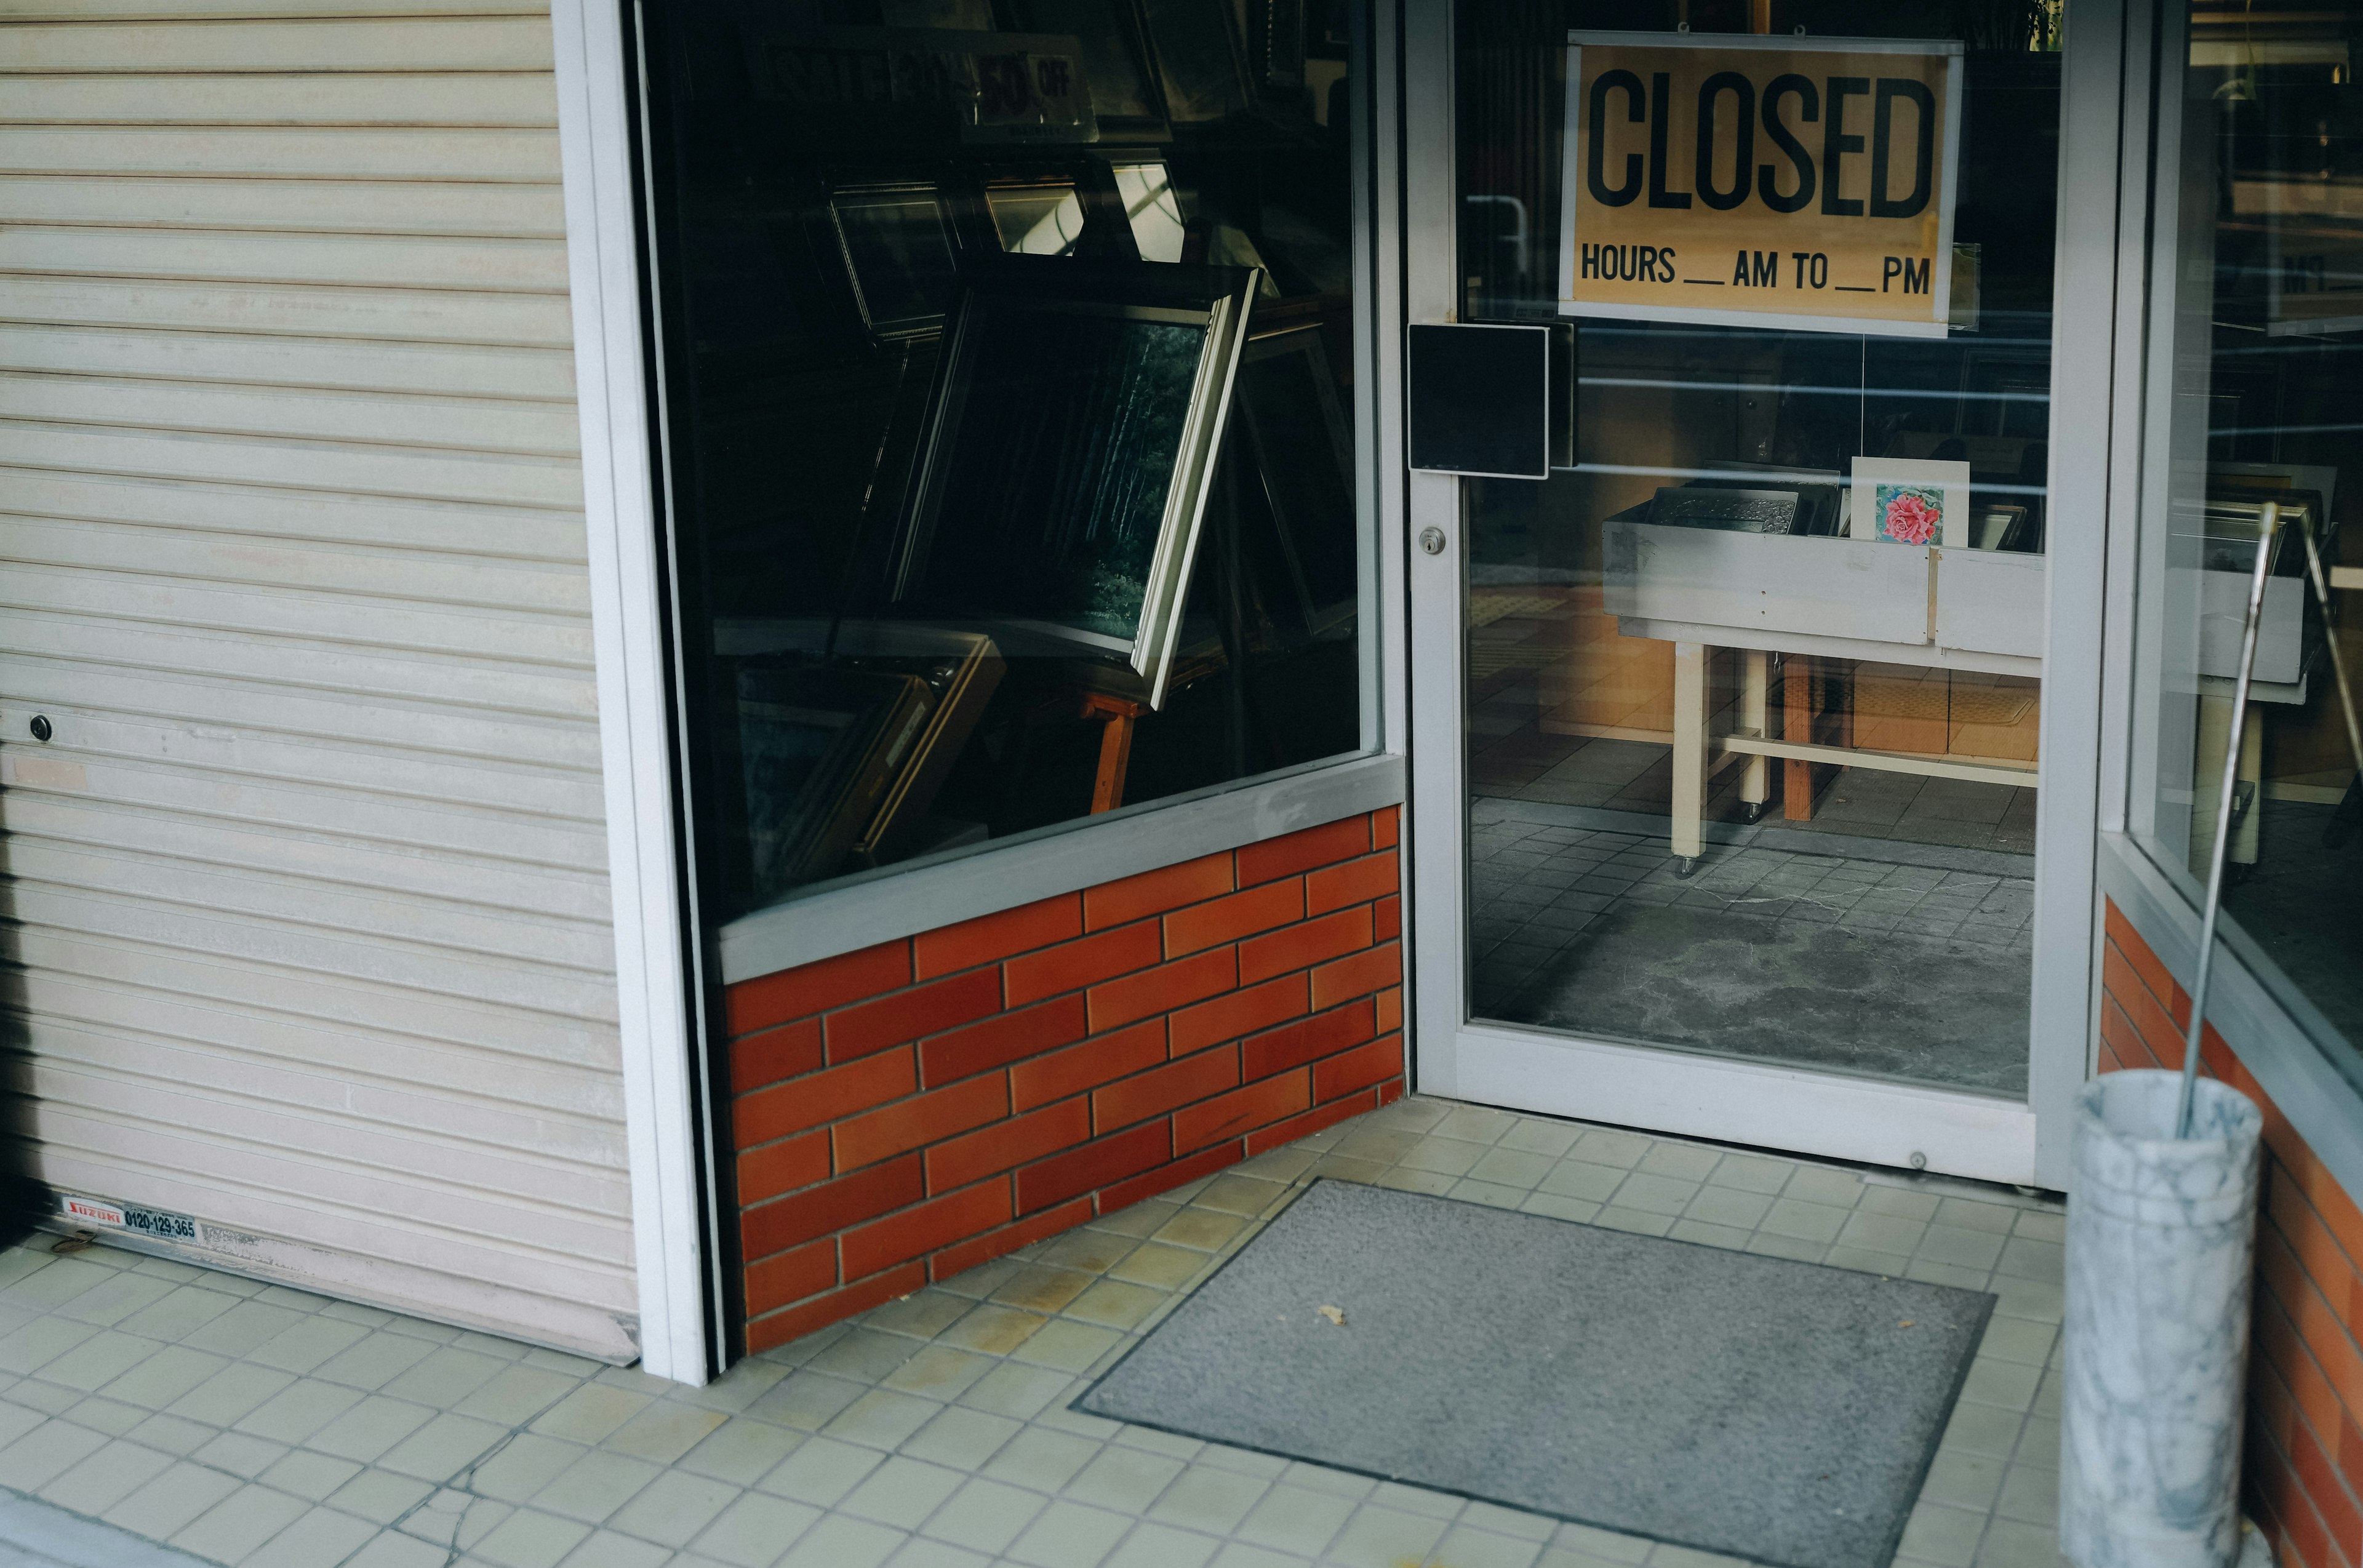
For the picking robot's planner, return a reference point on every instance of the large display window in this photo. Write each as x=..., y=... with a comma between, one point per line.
x=1005, y=353
x=2255, y=439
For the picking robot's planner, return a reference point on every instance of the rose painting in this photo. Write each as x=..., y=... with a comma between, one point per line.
x=1909, y=514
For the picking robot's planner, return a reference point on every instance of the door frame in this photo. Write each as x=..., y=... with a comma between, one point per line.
x=1692, y=1093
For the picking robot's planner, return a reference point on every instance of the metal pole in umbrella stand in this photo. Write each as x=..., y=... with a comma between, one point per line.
x=2161, y=1246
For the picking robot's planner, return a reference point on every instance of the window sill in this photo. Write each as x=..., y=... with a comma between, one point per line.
x=2298, y=1055
x=896, y=901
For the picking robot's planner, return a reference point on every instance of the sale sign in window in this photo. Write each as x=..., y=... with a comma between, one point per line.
x=1762, y=180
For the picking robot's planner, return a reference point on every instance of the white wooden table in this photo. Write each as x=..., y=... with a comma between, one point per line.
x=1702, y=589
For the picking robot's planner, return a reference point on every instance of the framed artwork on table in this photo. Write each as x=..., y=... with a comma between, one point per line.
x=1070, y=441
x=1911, y=501
x=1304, y=452
x=898, y=253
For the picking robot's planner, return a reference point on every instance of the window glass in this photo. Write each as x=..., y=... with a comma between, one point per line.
x=1755, y=676
x=2257, y=324
x=1004, y=347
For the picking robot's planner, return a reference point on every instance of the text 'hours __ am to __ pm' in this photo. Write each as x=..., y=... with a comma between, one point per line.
x=1762, y=180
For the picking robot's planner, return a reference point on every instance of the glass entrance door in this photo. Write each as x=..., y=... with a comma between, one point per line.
x=1747, y=706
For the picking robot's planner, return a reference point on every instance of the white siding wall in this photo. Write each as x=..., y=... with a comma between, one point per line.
x=304, y=918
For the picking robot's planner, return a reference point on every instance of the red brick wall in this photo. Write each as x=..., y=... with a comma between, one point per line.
x=2305, y=1458
x=910, y=1111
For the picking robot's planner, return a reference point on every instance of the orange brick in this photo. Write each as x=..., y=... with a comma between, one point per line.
x=1391, y=1008
x=807, y=1216
x=913, y=1123
x=1239, y=1012
x=991, y=937
x=784, y=1277
x=2277, y=1340
x=813, y=988
x=1374, y=968
x=791, y=1323
x=912, y=1015
x=2119, y=1036
x=774, y=1055
x=1153, y=1092
x=1071, y=966
x=1103, y=1058
x=1350, y=882
x=1095, y=1164
x=1386, y=918
x=1006, y=1145
x=822, y=1096
x=1300, y=851
x=1225, y=919
x=1155, y=892
x=1311, y=1122
x=1391, y=1091
x=1303, y=945
x=962, y=1256
x=2145, y=963
x=2316, y=1251
x=915, y=1232
x=1000, y=1039
x=783, y=1167
x=1358, y=1069
x=1164, y=1178
x=2162, y=1034
x=2324, y=1488
x=1254, y=1105
x=1162, y=989
x=2350, y=1452
x=1292, y=1045
x=1384, y=827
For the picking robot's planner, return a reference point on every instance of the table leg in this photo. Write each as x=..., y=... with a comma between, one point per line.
x=2246, y=831
x=1754, y=715
x=1688, y=811
x=1797, y=779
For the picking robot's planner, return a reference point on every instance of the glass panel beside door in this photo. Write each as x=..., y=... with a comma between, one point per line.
x=1754, y=679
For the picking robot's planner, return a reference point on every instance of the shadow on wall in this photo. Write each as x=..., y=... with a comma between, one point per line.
x=25, y=1199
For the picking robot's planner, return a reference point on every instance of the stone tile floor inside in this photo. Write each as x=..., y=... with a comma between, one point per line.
x=261, y=1426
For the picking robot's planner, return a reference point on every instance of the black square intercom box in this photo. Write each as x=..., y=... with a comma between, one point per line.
x=1480, y=400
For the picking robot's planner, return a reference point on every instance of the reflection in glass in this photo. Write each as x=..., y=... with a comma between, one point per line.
x=898, y=256
x=2259, y=286
x=1114, y=593
x=1754, y=684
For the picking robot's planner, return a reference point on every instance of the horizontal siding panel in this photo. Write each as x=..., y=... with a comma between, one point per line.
x=308, y=670
x=259, y=1192
x=182, y=761
x=453, y=1085
x=489, y=99
x=421, y=473
x=255, y=942
x=494, y=153
x=476, y=425
x=535, y=611
x=310, y=922
x=451, y=529
x=535, y=1189
x=540, y=374
x=505, y=320
x=552, y=895
x=337, y=909
x=319, y=207
x=282, y=44
x=88, y=11
x=485, y=638
x=349, y=260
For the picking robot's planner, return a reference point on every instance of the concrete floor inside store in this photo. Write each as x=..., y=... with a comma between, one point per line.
x=183, y=1415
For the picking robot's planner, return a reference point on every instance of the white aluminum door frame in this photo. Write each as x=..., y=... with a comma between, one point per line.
x=1755, y=1102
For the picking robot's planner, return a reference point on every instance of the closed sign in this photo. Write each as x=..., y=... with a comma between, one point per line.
x=1766, y=181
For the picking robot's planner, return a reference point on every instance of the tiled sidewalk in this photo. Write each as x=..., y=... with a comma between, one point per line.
x=264, y=1427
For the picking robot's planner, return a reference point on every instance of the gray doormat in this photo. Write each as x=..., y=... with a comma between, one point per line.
x=1932, y=1009
x=1780, y=1412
